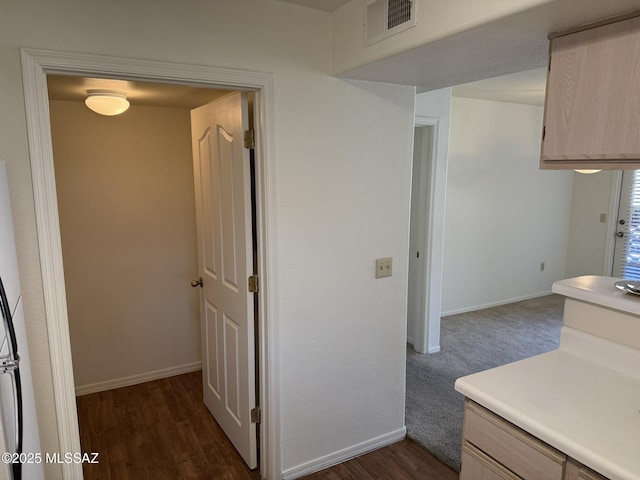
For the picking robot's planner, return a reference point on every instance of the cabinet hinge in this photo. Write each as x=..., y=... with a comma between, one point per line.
x=255, y=415
x=253, y=284
x=249, y=139
x=544, y=132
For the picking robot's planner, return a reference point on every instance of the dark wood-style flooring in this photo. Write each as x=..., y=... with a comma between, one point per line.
x=405, y=460
x=156, y=430
x=162, y=430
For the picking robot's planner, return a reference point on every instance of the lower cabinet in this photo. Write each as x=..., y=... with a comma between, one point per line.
x=477, y=465
x=494, y=449
x=575, y=471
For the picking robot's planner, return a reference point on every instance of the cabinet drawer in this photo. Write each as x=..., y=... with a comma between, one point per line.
x=478, y=466
x=521, y=453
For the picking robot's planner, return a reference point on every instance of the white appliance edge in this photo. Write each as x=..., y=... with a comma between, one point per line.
x=11, y=280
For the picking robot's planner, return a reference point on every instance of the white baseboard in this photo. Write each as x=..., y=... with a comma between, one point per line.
x=435, y=349
x=344, y=454
x=494, y=304
x=135, y=379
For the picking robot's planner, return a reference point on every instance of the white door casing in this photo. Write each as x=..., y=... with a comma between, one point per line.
x=427, y=327
x=225, y=258
x=416, y=298
x=36, y=64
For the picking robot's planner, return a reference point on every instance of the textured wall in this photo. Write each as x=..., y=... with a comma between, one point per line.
x=341, y=199
x=504, y=216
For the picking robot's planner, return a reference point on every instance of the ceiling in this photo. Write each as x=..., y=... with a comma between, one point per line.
x=326, y=5
x=526, y=87
x=73, y=88
x=504, y=60
x=503, y=46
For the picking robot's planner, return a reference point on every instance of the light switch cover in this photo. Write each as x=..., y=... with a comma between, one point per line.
x=384, y=267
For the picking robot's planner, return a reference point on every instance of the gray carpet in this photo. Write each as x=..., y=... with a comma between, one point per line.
x=472, y=342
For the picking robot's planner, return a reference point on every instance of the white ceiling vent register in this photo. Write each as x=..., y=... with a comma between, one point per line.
x=383, y=18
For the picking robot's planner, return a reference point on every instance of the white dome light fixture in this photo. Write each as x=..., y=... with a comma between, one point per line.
x=587, y=171
x=107, y=102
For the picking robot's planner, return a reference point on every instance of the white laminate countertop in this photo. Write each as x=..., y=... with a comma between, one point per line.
x=569, y=399
x=600, y=291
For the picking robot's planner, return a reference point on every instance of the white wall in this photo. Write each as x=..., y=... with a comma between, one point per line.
x=342, y=329
x=342, y=176
x=587, y=247
x=127, y=221
x=504, y=216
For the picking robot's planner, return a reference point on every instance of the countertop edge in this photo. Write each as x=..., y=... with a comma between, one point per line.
x=548, y=434
x=598, y=290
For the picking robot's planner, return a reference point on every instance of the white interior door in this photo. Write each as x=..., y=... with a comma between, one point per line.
x=626, y=255
x=223, y=203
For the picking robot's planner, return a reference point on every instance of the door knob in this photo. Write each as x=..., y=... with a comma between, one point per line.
x=618, y=234
x=197, y=283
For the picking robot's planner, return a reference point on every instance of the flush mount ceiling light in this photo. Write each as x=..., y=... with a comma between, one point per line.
x=587, y=171
x=107, y=102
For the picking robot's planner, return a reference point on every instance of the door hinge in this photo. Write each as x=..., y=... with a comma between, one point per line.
x=253, y=284
x=255, y=415
x=544, y=132
x=249, y=139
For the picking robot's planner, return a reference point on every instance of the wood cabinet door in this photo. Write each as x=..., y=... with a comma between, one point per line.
x=518, y=451
x=593, y=97
x=478, y=466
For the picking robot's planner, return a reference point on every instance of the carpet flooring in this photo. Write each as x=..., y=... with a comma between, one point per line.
x=472, y=342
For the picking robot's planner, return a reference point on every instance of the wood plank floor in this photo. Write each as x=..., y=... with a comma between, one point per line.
x=405, y=460
x=162, y=430
x=156, y=430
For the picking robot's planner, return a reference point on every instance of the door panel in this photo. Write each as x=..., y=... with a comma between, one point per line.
x=225, y=254
x=212, y=372
x=232, y=374
x=228, y=203
x=626, y=258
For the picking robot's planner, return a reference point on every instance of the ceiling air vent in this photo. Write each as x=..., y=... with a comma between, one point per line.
x=383, y=18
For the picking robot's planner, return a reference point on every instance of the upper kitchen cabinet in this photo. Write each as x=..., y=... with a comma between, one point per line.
x=592, y=108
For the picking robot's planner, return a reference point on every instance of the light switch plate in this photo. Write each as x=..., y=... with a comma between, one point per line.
x=384, y=267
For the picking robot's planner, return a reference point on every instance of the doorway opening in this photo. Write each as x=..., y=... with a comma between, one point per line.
x=420, y=176
x=424, y=297
x=37, y=64
x=134, y=235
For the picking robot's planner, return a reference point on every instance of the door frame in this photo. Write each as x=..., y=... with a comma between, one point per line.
x=418, y=252
x=36, y=64
x=427, y=331
x=612, y=227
